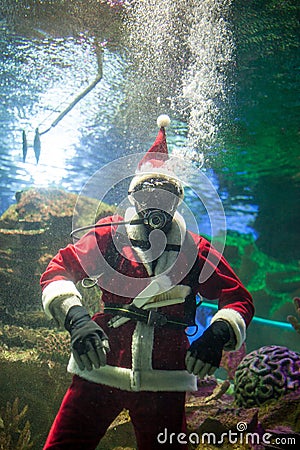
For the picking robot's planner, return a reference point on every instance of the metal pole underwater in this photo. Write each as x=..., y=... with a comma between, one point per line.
x=275, y=323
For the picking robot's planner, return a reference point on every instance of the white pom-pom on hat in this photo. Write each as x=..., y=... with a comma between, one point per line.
x=163, y=121
x=155, y=161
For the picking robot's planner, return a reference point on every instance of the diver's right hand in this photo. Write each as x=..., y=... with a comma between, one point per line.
x=89, y=342
x=205, y=353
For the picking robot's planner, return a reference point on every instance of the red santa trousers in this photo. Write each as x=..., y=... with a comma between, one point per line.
x=88, y=409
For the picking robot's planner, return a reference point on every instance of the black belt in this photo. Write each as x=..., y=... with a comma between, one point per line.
x=150, y=317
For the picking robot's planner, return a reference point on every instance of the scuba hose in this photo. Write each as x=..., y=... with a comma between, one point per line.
x=74, y=235
x=154, y=219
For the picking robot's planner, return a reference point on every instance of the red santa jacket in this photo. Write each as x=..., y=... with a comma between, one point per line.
x=142, y=356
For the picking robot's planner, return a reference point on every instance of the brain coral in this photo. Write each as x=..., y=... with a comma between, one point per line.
x=265, y=374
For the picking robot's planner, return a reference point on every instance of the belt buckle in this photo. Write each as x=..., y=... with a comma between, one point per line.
x=156, y=319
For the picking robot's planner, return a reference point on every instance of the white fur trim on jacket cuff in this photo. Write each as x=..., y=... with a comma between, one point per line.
x=237, y=324
x=58, y=289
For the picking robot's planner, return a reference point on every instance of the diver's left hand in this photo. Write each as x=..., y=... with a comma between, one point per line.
x=204, y=355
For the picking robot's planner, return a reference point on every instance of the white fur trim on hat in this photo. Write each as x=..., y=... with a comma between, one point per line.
x=146, y=175
x=237, y=324
x=58, y=289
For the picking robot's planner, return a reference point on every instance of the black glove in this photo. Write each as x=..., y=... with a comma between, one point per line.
x=88, y=340
x=204, y=355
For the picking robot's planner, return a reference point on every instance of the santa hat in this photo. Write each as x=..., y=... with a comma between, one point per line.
x=155, y=162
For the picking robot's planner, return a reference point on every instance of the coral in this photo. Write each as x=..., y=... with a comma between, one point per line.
x=14, y=336
x=47, y=345
x=218, y=392
x=12, y=435
x=219, y=419
x=53, y=346
x=38, y=384
x=266, y=374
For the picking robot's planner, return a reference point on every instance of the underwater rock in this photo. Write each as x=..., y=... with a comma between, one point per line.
x=231, y=360
x=37, y=384
x=288, y=281
x=211, y=421
x=48, y=345
x=31, y=233
x=294, y=321
x=219, y=418
x=227, y=419
x=233, y=253
x=207, y=411
x=263, y=302
x=248, y=266
x=30, y=319
x=283, y=413
x=38, y=377
x=266, y=374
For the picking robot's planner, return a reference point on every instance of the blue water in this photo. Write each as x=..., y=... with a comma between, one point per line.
x=39, y=78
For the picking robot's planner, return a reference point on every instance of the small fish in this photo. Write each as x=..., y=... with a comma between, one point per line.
x=24, y=145
x=37, y=145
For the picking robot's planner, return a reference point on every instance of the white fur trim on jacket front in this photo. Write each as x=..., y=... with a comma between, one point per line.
x=58, y=289
x=237, y=324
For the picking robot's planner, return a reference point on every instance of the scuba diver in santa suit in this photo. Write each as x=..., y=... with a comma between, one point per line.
x=135, y=353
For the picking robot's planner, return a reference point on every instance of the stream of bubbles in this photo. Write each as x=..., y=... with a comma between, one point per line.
x=186, y=49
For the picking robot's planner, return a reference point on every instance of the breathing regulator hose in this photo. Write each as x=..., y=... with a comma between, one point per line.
x=154, y=219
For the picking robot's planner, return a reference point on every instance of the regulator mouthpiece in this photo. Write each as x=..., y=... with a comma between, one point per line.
x=156, y=219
